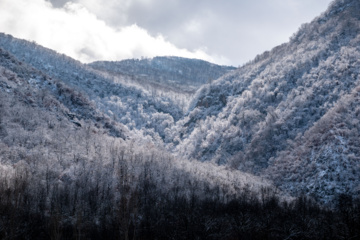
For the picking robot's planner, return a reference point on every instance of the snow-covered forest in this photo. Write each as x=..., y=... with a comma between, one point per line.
x=175, y=148
x=173, y=74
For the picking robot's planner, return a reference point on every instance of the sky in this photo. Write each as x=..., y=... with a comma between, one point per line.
x=228, y=32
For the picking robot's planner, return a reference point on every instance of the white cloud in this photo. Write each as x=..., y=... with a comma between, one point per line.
x=78, y=33
x=114, y=12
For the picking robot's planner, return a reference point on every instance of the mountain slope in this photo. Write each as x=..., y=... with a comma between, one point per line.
x=249, y=116
x=325, y=160
x=60, y=162
x=169, y=73
x=130, y=105
x=85, y=155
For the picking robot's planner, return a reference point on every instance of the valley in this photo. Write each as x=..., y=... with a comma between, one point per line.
x=177, y=148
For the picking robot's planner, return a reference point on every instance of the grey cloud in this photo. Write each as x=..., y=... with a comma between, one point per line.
x=236, y=29
x=58, y=3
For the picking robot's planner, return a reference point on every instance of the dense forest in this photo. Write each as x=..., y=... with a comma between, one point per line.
x=174, y=148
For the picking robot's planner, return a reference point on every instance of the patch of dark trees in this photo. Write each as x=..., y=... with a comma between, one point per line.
x=149, y=213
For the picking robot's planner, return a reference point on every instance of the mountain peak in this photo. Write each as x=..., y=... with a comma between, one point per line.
x=339, y=6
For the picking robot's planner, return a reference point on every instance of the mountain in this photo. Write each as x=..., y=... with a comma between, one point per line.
x=169, y=73
x=131, y=150
x=148, y=110
x=69, y=91
x=130, y=105
x=251, y=117
x=64, y=159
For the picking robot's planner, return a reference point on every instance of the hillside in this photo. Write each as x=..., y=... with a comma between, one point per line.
x=325, y=159
x=63, y=160
x=174, y=148
x=248, y=117
x=130, y=105
x=169, y=73
x=42, y=102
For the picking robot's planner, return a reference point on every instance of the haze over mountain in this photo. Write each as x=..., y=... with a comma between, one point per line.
x=108, y=141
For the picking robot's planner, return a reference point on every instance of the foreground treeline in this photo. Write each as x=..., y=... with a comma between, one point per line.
x=92, y=211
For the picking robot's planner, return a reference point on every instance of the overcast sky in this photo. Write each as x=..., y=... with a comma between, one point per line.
x=225, y=32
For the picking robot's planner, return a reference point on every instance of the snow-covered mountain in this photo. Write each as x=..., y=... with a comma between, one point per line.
x=246, y=119
x=255, y=116
x=62, y=158
x=168, y=73
x=175, y=148
x=250, y=119
x=149, y=108
x=130, y=105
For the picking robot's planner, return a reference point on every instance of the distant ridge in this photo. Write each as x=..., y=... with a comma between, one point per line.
x=176, y=73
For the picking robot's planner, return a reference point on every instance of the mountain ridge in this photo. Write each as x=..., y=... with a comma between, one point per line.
x=248, y=119
x=186, y=75
x=250, y=115
x=266, y=151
